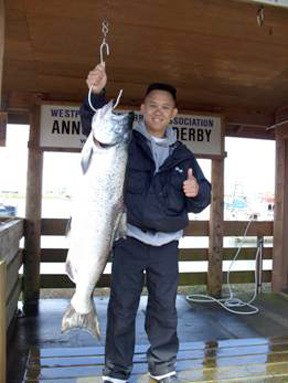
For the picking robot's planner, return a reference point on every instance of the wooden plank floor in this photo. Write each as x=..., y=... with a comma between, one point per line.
x=237, y=360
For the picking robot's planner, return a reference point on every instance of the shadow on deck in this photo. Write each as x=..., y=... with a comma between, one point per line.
x=215, y=345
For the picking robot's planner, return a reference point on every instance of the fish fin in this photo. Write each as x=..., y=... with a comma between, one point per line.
x=121, y=230
x=88, y=322
x=86, y=153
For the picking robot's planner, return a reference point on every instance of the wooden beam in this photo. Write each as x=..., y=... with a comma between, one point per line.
x=3, y=115
x=2, y=41
x=31, y=272
x=280, y=248
x=215, y=274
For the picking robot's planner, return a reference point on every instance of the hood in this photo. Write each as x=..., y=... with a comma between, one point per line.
x=169, y=139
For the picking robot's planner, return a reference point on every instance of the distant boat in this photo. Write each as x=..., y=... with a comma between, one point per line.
x=7, y=210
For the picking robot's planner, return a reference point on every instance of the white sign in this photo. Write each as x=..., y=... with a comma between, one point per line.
x=278, y=3
x=61, y=128
x=202, y=134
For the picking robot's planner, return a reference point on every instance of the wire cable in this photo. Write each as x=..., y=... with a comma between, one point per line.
x=232, y=302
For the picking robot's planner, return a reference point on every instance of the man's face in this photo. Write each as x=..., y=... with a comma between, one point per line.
x=158, y=109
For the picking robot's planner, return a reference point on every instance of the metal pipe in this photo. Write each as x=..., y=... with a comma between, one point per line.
x=259, y=263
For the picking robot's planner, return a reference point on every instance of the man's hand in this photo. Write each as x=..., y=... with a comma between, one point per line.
x=97, y=77
x=190, y=185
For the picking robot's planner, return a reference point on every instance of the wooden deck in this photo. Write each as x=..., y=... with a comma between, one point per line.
x=210, y=360
x=238, y=360
x=215, y=345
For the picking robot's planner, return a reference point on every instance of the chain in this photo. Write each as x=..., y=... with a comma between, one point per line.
x=105, y=30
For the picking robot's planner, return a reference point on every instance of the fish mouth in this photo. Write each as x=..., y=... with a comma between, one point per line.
x=125, y=119
x=102, y=145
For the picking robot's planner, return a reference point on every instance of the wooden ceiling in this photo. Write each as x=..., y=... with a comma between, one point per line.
x=214, y=52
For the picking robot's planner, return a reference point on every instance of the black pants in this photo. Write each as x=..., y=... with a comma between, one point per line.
x=130, y=259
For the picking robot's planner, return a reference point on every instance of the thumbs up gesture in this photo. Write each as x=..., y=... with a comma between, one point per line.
x=190, y=185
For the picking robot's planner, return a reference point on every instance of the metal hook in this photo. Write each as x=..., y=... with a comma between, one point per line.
x=102, y=46
x=118, y=99
x=260, y=16
x=105, y=30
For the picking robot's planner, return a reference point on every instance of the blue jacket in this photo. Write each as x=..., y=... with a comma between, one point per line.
x=155, y=201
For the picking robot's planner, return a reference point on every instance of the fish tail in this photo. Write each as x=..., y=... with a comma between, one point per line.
x=88, y=322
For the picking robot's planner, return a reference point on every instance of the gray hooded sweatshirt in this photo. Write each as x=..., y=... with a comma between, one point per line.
x=161, y=149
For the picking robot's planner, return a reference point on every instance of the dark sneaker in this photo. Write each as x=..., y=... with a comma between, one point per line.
x=167, y=379
x=107, y=379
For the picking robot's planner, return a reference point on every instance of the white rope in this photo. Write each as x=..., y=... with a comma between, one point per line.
x=230, y=302
x=118, y=99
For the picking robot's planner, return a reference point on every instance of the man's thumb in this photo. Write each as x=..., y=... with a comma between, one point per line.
x=190, y=174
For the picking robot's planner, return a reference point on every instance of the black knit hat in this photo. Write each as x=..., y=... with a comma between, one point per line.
x=162, y=86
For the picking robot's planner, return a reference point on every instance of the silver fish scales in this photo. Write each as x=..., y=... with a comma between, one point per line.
x=98, y=216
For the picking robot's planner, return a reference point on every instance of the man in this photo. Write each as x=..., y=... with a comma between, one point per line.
x=164, y=183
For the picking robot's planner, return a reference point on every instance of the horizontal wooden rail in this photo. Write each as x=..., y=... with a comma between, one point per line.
x=228, y=254
x=57, y=227
x=186, y=279
x=59, y=255
x=53, y=226
x=237, y=228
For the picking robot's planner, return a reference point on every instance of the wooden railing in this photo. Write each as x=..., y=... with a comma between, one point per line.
x=11, y=231
x=2, y=321
x=260, y=230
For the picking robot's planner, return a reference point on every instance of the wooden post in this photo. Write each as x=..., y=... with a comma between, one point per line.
x=2, y=321
x=31, y=274
x=280, y=247
x=3, y=120
x=3, y=115
x=2, y=41
x=216, y=229
x=3, y=127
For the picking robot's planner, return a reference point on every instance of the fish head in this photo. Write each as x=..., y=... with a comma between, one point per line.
x=110, y=127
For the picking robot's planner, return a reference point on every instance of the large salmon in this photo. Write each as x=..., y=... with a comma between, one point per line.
x=98, y=217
